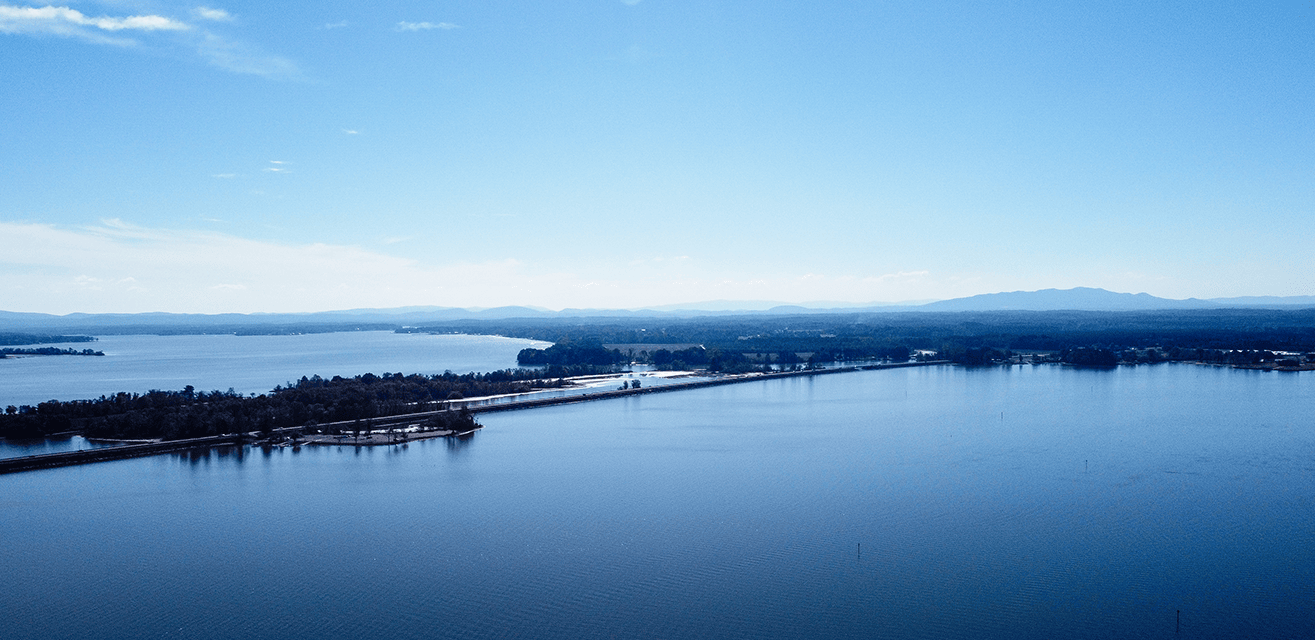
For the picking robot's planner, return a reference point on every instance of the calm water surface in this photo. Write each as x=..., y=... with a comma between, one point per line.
x=39, y=446
x=248, y=364
x=1000, y=503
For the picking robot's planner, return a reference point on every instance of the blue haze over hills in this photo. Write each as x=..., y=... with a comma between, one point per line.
x=1077, y=299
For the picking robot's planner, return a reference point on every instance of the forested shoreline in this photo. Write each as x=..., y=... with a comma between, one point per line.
x=1236, y=337
x=48, y=351
x=308, y=403
x=1271, y=339
x=20, y=339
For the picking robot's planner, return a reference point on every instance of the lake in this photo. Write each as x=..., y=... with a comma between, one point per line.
x=938, y=502
x=248, y=364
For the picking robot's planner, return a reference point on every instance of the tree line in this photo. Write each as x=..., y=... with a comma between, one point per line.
x=568, y=353
x=308, y=403
x=715, y=359
x=15, y=339
x=959, y=335
x=1110, y=356
x=49, y=351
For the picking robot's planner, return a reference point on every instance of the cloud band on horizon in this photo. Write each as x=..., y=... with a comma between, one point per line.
x=120, y=267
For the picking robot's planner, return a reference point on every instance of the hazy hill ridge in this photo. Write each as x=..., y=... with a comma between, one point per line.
x=1092, y=299
x=1077, y=299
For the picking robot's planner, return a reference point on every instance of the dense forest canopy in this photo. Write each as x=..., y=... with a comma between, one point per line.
x=863, y=333
x=307, y=402
x=570, y=353
x=18, y=339
x=48, y=351
x=893, y=335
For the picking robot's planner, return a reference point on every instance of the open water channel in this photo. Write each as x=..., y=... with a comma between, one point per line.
x=1167, y=501
x=246, y=364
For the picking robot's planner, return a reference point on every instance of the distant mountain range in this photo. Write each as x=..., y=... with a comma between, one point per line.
x=1089, y=299
x=1077, y=299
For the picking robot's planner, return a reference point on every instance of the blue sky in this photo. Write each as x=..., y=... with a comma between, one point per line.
x=242, y=156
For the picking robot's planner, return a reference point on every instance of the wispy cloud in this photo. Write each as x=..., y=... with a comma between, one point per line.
x=225, y=176
x=351, y=132
x=334, y=25
x=898, y=275
x=71, y=23
x=62, y=269
x=424, y=26
x=58, y=269
x=238, y=57
x=214, y=15
x=47, y=18
x=217, y=50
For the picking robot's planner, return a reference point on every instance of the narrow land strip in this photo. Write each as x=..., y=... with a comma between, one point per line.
x=407, y=423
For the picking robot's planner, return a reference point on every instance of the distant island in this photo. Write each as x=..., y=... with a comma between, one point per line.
x=40, y=338
x=48, y=351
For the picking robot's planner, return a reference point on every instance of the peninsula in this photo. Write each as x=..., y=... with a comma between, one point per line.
x=453, y=418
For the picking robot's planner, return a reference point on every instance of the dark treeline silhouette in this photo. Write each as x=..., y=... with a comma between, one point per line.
x=15, y=339
x=1097, y=356
x=679, y=359
x=856, y=336
x=716, y=359
x=308, y=402
x=1089, y=357
x=49, y=351
x=569, y=353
